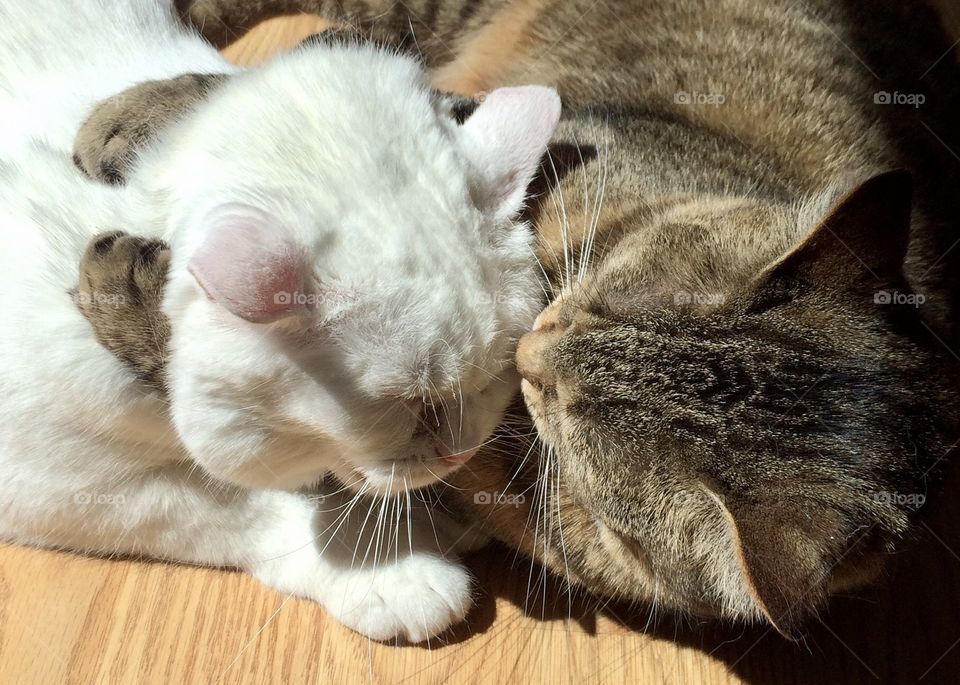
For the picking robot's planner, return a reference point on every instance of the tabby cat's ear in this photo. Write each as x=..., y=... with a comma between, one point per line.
x=862, y=240
x=505, y=138
x=784, y=555
x=250, y=264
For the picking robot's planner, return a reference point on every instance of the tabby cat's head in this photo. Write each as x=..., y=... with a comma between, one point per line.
x=738, y=438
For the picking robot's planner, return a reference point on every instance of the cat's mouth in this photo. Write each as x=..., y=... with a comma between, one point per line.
x=537, y=379
x=535, y=400
x=395, y=477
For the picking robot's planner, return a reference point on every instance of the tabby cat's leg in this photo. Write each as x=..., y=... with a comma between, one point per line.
x=120, y=291
x=429, y=27
x=105, y=148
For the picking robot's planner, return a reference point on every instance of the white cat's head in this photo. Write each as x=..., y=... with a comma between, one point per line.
x=349, y=276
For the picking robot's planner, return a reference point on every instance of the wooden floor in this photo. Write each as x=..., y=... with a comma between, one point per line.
x=64, y=618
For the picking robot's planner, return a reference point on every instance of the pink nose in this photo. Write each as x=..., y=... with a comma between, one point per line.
x=454, y=458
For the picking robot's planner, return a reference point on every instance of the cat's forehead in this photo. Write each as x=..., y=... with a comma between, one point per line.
x=421, y=349
x=688, y=258
x=646, y=340
x=337, y=109
x=404, y=372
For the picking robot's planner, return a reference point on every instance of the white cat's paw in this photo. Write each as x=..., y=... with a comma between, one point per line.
x=414, y=598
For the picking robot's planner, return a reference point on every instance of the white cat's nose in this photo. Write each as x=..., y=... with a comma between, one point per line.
x=454, y=457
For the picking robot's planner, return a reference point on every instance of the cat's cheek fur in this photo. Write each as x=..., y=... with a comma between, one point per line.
x=484, y=411
x=235, y=447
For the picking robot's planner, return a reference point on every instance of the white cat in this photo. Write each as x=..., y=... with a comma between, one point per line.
x=348, y=281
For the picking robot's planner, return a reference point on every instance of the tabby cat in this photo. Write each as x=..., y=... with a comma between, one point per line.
x=744, y=386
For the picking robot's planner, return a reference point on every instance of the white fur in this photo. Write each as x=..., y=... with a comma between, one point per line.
x=398, y=224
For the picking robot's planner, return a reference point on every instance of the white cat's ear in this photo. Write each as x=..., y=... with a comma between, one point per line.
x=506, y=138
x=250, y=264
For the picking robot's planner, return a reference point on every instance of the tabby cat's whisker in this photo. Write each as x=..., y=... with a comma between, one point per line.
x=583, y=252
x=548, y=525
x=545, y=282
x=563, y=544
x=541, y=514
x=374, y=542
x=409, y=521
x=564, y=225
x=363, y=527
x=586, y=251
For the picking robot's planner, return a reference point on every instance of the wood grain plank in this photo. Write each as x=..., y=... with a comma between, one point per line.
x=273, y=36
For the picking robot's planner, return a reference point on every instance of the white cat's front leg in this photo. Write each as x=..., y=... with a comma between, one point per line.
x=354, y=557
x=378, y=571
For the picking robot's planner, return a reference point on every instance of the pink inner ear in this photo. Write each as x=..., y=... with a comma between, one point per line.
x=250, y=264
x=507, y=137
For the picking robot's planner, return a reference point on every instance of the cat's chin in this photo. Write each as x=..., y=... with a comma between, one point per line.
x=391, y=479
